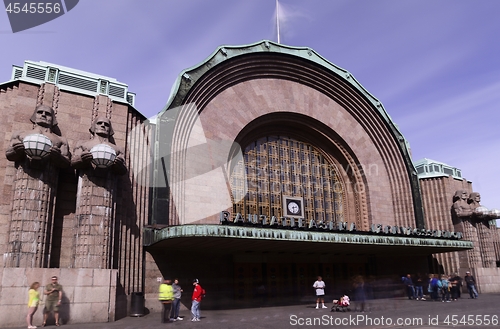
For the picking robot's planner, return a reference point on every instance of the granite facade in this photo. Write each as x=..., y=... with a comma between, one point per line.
x=237, y=100
x=129, y=208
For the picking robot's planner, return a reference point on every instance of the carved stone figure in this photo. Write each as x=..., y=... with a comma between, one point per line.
x=463, y=212
x=44, y=121
x=38, y=153
x=99, y=162
x=83, y=154
x=460, y=205
x=482, y=216
x=478, y=212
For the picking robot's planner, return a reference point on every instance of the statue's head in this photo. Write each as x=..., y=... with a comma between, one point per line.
x=475, y=197
x=461, y=194
x=44, y=116
x=102, y=127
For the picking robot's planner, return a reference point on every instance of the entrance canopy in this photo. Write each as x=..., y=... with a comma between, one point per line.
x=254, y=239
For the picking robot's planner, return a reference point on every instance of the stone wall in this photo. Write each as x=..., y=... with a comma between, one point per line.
x=75, y=112
x=488, y=279
x=437, y=199
x=89, y=295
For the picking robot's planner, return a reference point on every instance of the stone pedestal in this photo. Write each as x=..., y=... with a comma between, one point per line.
x=32, y=218
x=94, y=222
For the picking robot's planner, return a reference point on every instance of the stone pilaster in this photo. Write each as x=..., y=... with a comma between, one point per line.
x=94, y=224
x=486, y=244
x=32, y=218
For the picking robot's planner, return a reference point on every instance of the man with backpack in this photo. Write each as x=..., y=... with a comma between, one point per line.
x=434, y=288
x=198, y=294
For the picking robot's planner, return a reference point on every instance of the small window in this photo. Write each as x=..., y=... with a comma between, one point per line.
x=103, y=89
x=52, y=75
x=448, y=171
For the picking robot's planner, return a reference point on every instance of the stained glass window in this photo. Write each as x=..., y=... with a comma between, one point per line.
x=277, y=166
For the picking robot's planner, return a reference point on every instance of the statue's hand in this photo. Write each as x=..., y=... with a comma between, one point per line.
x=120, y=161
x=58, y=158
x=55, y=150
x=15, y=151
x=86, y=156
x=119, y=166
x=18, y=147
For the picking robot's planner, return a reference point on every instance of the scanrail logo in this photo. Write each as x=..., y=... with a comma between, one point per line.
x=25, y=14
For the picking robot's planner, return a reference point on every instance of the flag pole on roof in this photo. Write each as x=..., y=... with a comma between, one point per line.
x=278, y=20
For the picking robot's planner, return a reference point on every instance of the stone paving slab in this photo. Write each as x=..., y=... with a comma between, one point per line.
x=382, y=313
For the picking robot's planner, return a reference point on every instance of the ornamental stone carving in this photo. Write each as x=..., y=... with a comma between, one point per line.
x=477, y=225
x=99, y=162
x=486, y=230
x=38, y=154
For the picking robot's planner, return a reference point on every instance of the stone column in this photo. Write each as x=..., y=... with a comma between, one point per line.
x=94, y=224
x=482, y=216
x=462, y=212
x=37, y=153
x=99, y=163
x=32, y=215
x=471, y=234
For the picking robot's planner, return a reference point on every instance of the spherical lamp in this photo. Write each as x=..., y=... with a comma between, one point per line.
x=103, y=155
x=37, y=146
x=481, y=211
x=494, y=213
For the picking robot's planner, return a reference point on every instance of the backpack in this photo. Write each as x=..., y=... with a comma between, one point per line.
x=434, y=283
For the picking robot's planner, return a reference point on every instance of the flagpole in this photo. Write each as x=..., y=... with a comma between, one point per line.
x=277, y=20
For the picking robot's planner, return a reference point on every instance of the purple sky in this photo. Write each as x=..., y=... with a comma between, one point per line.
x=435, y=65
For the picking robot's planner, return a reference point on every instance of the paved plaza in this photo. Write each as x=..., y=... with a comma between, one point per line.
x=381, y=313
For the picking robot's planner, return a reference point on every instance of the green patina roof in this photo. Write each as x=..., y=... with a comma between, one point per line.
x=332, y=239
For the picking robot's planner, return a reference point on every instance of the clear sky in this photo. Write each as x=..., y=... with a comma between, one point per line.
x=434, y=64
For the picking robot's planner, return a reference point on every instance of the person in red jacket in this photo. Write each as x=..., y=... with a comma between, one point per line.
x=198, y=294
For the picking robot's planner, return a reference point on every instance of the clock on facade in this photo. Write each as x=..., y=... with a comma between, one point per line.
x=292, y=206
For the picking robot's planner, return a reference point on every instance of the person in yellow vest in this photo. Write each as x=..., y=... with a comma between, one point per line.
x=166, y=297
x=34, y=299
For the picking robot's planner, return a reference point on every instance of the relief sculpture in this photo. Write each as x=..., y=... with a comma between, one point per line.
x=38, y=154
x=99, y=161
x=476, y=223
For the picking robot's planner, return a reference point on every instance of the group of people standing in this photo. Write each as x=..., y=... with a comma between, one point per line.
x=445, y=287
x=169, y=295
x=53, y=291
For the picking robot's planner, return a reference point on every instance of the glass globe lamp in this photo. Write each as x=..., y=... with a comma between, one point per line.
x=481, y=211
x=37, y=146
x=494, y=213
x=103, y=155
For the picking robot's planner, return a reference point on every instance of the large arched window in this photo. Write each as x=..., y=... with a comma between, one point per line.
x=274, y=167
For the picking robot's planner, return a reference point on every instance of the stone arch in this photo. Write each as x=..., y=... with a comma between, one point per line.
x=227, y=93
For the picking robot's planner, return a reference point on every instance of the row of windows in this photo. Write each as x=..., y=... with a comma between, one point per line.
x=433, y=168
